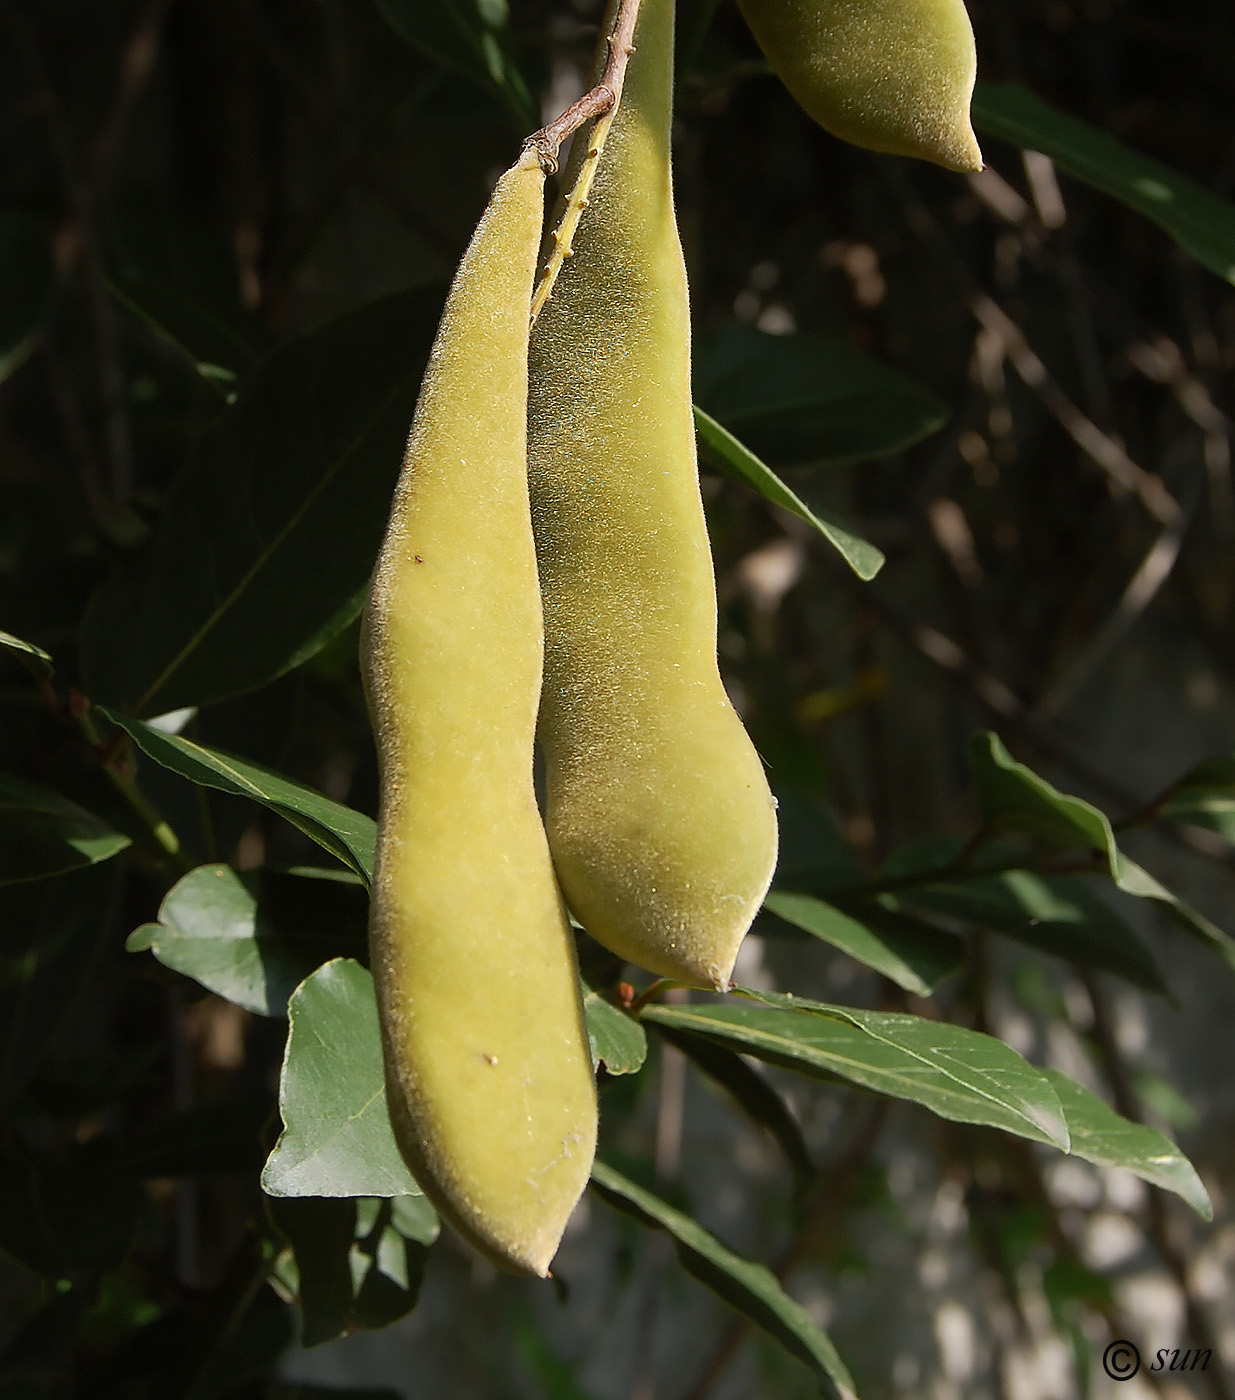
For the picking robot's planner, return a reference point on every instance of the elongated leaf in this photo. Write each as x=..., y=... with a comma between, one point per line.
x=253, y=938
x=35, y=658
x=265, y=548
x=26, y=286
x=1014, y=798
x=349, y=835
x=915, y=955
x=721, y=448
x=749, y=1288
x=803, y=398
x=1205, y=797
x=752, y=1093
x=1057, y=914
x=336, y=1139
x=42, y=833
x=617, y=1040
x=956, y=1073
x=1201, y=223
x=1101, y=1135
x=470, y=37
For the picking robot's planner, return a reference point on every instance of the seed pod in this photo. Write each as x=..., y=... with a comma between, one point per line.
x=891, y=75
x=661, y=824
x=488, y=1072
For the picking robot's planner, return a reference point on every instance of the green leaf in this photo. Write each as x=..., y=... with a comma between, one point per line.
x=956, y=1073
x=1201, y=223
x=803, y=398
x=1013, y=798
x=349, y=835
x=1056, y=914
x=35, y=658
x=1101, y=1135
x=752, y=1093
x=27, y=285
x=723, y=450
x=1205, y=797
x=253, y=938
x=470, y=37
x=264, y=550
x=336, y=1139
x=915, y=955
x=201, y=333
x=42, y=833
x=354, y=1268
x=617, y=1040
x=749, y=1288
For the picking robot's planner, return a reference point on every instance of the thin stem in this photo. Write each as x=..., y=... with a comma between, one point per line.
x=601, y=102
x=114, y=762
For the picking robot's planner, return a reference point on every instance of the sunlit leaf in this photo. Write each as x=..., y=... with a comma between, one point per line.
x=336, y=1139
x=42, y=833
x=1201, y=223
x=35, y=658
x=1101, y=1135
x=956, y=1073
x=349, y=835
x=1056, y=914
x=1015, y=799
x=617, y=1040
x=253, y=938
x=915, y=955
x=723, y=450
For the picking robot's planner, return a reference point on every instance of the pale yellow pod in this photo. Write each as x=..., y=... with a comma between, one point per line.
x=891, y=75
x=488, y=1072
x=661, y=824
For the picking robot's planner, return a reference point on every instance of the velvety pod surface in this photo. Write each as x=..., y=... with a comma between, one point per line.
x=489, y=1076
x=659, y=816
x=891, y=75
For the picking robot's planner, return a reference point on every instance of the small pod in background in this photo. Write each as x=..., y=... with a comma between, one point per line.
x=660, y=820
x=488, y=1072
x=891, y=75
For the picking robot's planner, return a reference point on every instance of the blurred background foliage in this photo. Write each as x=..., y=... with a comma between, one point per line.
x=225, y=231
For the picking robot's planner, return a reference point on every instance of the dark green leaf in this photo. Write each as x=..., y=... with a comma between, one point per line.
x=203, y=335
x=353, y=1267
x=26, y=286
x=42, y=987
x=1057, y=914
x=268, y=539
x=617, y=1040
x=1101, y=1135
x=956, y=1073
x=749, y=1288
x=253, y=938
x=42, y=833
x=66, y=1210
x=216, y=1138
x=336, y=1139
x=723, y=450
x=1205, y=797
x=915, y=955
x=35, y=658
x=1015, y=799
x=1201, y=223
x=752, y=1093
x=349, y=835
x=470, y=37
x=795, y=399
